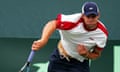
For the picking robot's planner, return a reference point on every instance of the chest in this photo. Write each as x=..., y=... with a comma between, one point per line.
x=79, y=35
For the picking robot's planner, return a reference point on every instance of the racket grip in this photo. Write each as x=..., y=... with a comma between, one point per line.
x=32, y=53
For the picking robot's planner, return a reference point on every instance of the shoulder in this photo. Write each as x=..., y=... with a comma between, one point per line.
x=70, y=18
x=67, y=22
x=103, y=28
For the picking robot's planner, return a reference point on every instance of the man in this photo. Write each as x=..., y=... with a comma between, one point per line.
x=83, y=37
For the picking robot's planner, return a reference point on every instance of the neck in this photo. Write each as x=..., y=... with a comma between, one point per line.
x=90, y=27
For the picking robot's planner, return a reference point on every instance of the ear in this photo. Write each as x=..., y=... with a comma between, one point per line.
x=82, y=15
x=98, y=15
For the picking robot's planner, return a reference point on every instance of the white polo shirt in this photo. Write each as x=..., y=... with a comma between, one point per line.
x=74, y=32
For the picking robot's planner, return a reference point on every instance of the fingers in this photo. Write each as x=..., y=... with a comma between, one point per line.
x=81, y=49
x=81, y=46
x=36, y=45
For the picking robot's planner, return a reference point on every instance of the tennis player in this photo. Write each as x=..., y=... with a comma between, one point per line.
x=83, y=37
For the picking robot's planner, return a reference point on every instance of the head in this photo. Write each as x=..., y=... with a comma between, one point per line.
x=90, y=14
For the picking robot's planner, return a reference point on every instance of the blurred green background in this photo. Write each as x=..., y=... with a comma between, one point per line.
x=14, y=53
x=22, y=21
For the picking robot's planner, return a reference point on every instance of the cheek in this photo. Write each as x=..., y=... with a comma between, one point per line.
x=86, y=20
x=91, y=20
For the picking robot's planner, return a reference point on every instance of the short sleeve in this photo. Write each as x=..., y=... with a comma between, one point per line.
x=102, y=37
x=67, y=22
x=101, y=43
x=58, y=19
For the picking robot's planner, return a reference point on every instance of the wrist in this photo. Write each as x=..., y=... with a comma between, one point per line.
x=87, y=55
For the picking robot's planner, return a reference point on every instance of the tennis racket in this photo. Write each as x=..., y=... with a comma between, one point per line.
x=26, y=67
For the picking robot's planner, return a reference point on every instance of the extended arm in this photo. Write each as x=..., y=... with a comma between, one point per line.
x=49, y=28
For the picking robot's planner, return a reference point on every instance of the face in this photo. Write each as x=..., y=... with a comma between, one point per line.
x=91, y=20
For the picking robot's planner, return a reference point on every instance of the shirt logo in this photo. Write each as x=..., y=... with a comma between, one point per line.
x=91, y=38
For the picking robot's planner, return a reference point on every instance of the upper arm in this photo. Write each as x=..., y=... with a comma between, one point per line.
x=49, y=28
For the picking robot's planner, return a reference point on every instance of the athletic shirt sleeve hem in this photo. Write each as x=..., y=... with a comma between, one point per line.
x=58, y=19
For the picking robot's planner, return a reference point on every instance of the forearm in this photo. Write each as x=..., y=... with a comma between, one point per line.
x=49, y=28
x=82, y=50
x=92, y=55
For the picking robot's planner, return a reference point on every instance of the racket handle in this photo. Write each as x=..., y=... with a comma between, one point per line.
x=32, y=53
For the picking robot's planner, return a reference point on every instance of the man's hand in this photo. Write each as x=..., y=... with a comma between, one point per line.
x=38, y=44
x=49, y=28
x=82, y=50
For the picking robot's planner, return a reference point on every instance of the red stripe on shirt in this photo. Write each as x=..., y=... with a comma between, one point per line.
x=58, y=20
x=66, y=25
x=100, y=26
x=98, y=48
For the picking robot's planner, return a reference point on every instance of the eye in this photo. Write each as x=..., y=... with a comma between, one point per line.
x=91, y=16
